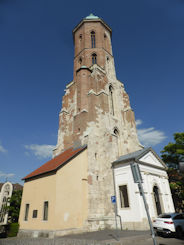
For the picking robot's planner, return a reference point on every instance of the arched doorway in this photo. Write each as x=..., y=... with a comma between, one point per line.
x=157, y=200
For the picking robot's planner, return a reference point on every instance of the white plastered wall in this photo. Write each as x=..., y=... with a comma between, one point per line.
x=134, y=217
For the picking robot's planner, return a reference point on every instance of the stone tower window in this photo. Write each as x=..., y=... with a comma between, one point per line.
x=94, y=59
x=111, y=99
x=105, y=41
x=116, y=132
x=118, y=141
x=93, y=44
x=80, y=41
x=80, y=60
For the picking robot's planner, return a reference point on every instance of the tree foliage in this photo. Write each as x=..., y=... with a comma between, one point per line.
x=14, y=205
x=176, y=180
x=173, y=153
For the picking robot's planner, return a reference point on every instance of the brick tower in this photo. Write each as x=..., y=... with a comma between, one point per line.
x=96, y=111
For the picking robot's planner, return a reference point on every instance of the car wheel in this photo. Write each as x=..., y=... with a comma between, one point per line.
x=179, y=232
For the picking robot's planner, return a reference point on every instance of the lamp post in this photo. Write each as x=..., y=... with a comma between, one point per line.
x=138, y=179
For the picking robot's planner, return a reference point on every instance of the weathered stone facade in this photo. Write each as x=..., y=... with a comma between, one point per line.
x=96, y=111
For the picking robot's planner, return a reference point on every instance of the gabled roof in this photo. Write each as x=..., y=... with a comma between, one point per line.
x=136, y=155
x=56, y=162
x=133, y=155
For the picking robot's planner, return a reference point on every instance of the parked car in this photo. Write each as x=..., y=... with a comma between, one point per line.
x=170, y=223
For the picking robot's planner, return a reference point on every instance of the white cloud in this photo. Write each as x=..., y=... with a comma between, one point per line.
x=149, y=136
x=2, y=149
x=6, y=175
x=40, y=151
x=138, y=122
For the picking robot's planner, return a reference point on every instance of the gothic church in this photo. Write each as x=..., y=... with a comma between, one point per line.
x=97, y=141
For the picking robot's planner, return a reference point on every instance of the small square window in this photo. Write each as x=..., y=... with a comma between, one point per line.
x=35, y=213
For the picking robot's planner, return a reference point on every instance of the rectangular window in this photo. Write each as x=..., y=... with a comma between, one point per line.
x=45, y=210
x=26, y=212
x=35, y=212
x=124, y=202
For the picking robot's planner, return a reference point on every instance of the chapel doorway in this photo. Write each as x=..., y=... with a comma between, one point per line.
x=157, y=200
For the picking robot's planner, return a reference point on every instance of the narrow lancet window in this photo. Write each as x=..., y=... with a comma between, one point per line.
x=80, y=60
x=93, y=44
x=26, y=212
x=45, y=210
x=111, y=99
x=94, y=59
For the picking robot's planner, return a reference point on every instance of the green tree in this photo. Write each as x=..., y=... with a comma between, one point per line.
x=14, y=207
x=172, y=154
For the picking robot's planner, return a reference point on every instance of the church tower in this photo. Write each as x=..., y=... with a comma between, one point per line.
x=97, y=143
x=96, y=112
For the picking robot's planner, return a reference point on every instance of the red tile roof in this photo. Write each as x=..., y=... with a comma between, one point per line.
x=56, y=162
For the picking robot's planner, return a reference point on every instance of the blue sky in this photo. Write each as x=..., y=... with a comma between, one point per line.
x=36, y=62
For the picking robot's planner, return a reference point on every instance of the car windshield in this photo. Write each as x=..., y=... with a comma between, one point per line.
x=165, y=216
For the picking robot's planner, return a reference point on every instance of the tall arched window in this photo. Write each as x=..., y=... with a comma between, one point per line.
x=157, y=200
x=80, y=41
x=93, y=44
x=94, y=59
x=111, y=99
x=105, y=41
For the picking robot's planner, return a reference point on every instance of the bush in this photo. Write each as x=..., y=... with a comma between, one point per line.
x=13, y=229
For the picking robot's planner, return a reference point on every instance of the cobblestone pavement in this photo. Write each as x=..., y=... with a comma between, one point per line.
x=161, y=241
x=106, y=237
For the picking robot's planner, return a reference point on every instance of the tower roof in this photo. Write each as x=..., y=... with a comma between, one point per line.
x=89, y=18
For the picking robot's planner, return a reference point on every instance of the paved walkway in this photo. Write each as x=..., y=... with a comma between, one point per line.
x=112, y=236
x=105, y=237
